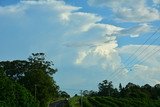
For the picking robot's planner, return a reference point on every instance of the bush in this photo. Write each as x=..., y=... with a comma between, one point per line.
x=14, y=95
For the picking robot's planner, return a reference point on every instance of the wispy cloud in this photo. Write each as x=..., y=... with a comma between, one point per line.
x=130, y=11
x=156, y=1
x=136, y=30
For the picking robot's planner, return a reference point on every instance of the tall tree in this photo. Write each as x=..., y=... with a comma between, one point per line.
x=105, y=88
x=157, y=90
x=35, y=74
x=63, y=94
x=120, y=87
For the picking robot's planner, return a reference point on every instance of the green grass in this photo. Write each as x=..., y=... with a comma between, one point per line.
x=86, y=103
x=74, y=102
x=113, y=102
x=122, y=102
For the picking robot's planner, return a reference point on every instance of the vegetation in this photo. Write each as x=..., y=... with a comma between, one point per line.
x=13, y=94
x=121, y=102
x=63, y=94
x=74, y=101
x=33, y=78
x=30, y=83
x=129, y=96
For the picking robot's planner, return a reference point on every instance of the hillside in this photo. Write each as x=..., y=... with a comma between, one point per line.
x=113, y=102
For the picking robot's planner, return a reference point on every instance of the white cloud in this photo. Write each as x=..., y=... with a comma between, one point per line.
x=82, y=21
x=144, y=74
x=49, y=26
x=45, y=26
x=156, y=1
x=136, y=30
x=150, y=54
x=104, y=55
x=145, y=69
x=132, y=10
x=80, y=58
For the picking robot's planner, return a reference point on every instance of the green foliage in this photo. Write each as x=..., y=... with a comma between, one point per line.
x=63, y=94
x=86, y=103
x=122, y=102
x=131, y=95
x=107, y=103
x=95, y=102
x=120, y=87
x=89, y=93
x=106, y=89
x=74, y=102
x=35, y=74
x=14, y=95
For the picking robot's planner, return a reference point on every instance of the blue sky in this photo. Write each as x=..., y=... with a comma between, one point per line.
x=88, y=40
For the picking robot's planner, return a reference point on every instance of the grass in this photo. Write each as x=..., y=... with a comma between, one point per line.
x=112, y=102
x=74, y=101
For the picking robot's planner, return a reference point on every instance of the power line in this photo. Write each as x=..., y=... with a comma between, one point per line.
x=142, y=45
x=141, y=53
x=115, y=73
x=147, y=57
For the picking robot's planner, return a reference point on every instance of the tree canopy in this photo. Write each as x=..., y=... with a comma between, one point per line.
x=35, y=74
x=13, y=94
x=131, y=90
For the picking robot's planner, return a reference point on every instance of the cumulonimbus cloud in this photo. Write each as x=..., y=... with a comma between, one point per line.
x=71, y=37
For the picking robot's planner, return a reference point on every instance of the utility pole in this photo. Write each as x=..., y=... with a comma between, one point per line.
x=81, y=98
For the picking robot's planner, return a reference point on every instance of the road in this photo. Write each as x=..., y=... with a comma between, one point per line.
x=61, y=103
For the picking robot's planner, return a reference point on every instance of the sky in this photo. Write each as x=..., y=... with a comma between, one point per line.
x=88, y=40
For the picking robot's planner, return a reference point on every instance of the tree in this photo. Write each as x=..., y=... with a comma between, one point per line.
x=38, y=61
x=131, y=85
x=105, y=88
x=35, y=74
x=134, y=91
x=115, y=93
x=156, y=92
x=64, y=94
x=13, y=94
x=93, y=93
x=120, y=87
x=85, y=93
